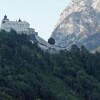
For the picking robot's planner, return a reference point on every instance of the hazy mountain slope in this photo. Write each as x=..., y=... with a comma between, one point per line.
x=78, y=22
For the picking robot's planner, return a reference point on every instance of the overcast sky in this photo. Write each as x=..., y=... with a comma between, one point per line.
x=41, y=14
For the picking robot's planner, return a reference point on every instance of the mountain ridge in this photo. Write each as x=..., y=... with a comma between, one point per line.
x=79, y=21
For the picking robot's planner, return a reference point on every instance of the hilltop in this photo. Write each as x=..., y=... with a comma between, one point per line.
x=28, y=73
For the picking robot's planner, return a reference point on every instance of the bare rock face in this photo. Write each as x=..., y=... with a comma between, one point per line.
x=79, y=24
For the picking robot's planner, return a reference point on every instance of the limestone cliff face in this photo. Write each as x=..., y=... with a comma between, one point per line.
x=78, y=24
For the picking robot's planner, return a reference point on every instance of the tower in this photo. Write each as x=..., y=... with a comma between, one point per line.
x=5, y=19
x=19, y=20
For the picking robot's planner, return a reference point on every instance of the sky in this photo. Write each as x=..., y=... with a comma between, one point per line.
x=41, y=14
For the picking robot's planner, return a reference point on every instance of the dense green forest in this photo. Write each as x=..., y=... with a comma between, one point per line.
x=28, y=73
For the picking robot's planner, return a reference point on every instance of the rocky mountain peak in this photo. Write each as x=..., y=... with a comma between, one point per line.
x=96, y=5
x=78, y=22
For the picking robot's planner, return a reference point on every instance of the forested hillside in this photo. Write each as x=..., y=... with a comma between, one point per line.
x=28, y=73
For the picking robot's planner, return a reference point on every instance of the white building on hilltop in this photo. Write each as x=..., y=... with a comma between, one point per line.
x=19, y=26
